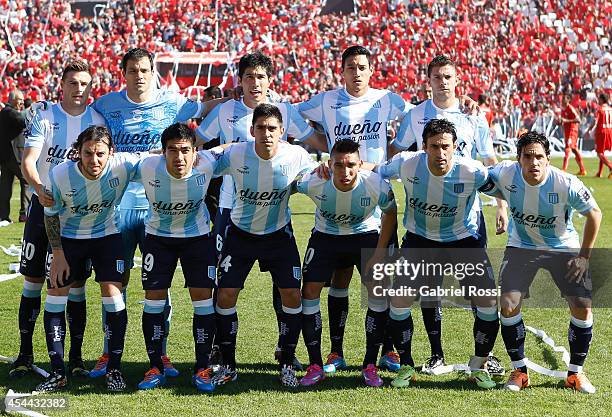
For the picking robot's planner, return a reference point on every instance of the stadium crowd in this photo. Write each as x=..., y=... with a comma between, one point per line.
x=522, y=54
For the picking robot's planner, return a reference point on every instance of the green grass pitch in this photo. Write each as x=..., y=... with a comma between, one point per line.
x=257, y=390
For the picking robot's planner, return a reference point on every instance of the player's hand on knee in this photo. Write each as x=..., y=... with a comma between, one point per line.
x=59, y=270
x=577, y=268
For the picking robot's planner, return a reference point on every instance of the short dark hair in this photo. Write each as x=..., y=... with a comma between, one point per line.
x=177, y=131
x=254, y=60
x=267, y=110
x=213, y=92
x=76, y=65
x=436, y=126
x=440, y=61
x=95, y=133
x=482, y=99
x=136, y=54
x=603, y=97
x=344, y=146
x=528, y=138
x=356, y=50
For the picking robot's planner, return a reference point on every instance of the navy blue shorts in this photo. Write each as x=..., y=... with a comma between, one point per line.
x=520, y=267
x=220, y=226
x=105, y=254
x=466, y=258
x=35, y=244
x=160, y=255
x=326, y=253
x=277, y=251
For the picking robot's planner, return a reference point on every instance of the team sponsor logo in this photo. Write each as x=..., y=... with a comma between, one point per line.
x=201, y=180
x=512, y=188
x=297, y=272
x=56, y=154
x=136, y=142
x=365, y=201
x=553, y=198
x=413, y=180
x=340, y=218
x=243, y=169
x=423, y=121
x=284, y=170
x=338, y=106
x=533, y=221
x=154, y=183
x=120, y=266
x=71, y=193
x=321, y=197
x=84, y=209
x=263, y=198
x=433, y=210
x=55, y=126
x=176, y=208
x=113, y=182
x=461, y=145
x=458, y=188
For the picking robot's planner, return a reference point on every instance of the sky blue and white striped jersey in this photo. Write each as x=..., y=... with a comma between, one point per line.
x=541, y=215
x=362, y=119
x=263, y=186
x=473, y=136
x=231, y=122
x=89, y=208
x=348, y=212
x=441, y=208
x=53, y=131
x=137, y=127
x=177, y=207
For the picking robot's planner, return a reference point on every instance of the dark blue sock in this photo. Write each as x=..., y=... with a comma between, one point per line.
x=291, y=326
x=402, y=328
x=227, y=331
x=579, y=335
x=312, y=328
x=432, y=319
x=375, y=324
x=513, y=333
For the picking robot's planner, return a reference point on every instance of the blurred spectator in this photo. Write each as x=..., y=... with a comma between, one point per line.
x=12, y=124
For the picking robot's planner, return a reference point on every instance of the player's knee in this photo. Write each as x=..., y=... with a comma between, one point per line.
x=291, y=297
x=35, y=280
x=312, y=290
x=342, y=278
x=227, y=297
x=156, y=294
x=198, y=294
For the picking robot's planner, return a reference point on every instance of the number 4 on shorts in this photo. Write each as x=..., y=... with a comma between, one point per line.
x=226, y=264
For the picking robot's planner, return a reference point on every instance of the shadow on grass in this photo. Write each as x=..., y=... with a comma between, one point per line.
x=252, y=377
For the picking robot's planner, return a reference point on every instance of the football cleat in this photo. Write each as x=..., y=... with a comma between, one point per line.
x=482, y=378
x=21, y=366
x=431, y=365
x=224, y=375
x=202, y=380
x=115, y=381
x=288, y=377
x=314, y=374
x=54, y=382
x=169, y=369
x=100, y=368
x=517, y=381
x=76, y=368
x=390, y=361
x=494, y=366
x=405, y=376
x=297, y=365
x=580, y=383
x=153, y=379
x=371, y=377
x=334, y=363
x=581, y=173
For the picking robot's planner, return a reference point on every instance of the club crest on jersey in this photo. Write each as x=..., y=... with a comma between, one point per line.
x=458, y=188
x=553, y=198
x=113, y=182
x=297, y=272
x=120, y=266
x=365, y=201
x=201, y=180
x=284, y=170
